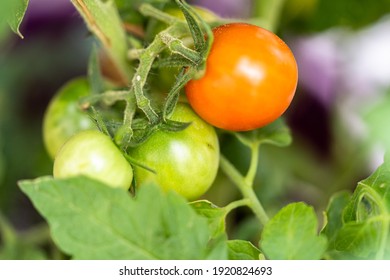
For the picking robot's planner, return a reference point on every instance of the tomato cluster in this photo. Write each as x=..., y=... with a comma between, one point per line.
x=175, y=160
x=249, y=81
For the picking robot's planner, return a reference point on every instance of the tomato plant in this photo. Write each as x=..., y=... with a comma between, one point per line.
x=93, y=154
x=178, y=158
x=64, y=117
x=250, y=78
x=165, y=163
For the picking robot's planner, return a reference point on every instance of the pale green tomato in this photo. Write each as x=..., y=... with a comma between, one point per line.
x=93, y=154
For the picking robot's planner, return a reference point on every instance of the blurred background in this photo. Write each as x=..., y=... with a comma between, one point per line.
x=339, y=118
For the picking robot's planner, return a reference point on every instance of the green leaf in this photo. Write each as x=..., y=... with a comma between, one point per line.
x=352, y=13
x=214, y=215
x=334, y=213
x=360, y=240
x=277, y=133
x=243, y=250
x=365, y=233
x=195, y=29
x=129, y=9
x=317, y=15
x=292, y=235
x=173, y=126
x=103, y=20
x=13, y=11
x=89, y=220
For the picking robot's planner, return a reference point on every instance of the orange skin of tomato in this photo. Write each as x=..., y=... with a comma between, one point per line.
x=250, y=79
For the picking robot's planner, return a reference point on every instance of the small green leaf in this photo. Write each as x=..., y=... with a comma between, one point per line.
x=292, y=235
x=195, y=29
x=366, y=218
x=13, y=11
x=334, y=213
x=276, y=133
x=243, y=250
x=173, y=95
x=89, y=220
x=103, y=20
x=174, y=126
x=215, y=215
x=129, y=9
x=360, y=240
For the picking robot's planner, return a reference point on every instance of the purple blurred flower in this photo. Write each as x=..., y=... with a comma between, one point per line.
x=319, y=61
x=49, y=8
x=367, y=62
x=344, y=64
x=227, y=8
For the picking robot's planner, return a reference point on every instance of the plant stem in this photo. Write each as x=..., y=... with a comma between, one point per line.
x=269, y=12
x=150, y=11
x=246, y=190
x=6, y=230
x=177, y=46
x=250, y=176
x=235, y=204
x=139, y=79
x=39, y=234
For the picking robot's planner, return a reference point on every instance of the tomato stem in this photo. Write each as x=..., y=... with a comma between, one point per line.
x=250, y=176
x=150, y=11
x=39, y=234
x=139, y=79
x=6, y=230
x=235, y=204
x=177, y=46
x=245, y=188
x=269, y=12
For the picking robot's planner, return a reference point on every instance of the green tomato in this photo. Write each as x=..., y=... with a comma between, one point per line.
x=63, y=117
x=93, y=154
x=186, y=161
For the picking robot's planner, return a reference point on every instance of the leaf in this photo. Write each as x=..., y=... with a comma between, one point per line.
x=354, y=13
x=243, y=250
x=292, y=235
x=173, y=126
x=334, y=213
x=13, y=12
x=359, y=240
x=103, y=20
x=366, y=218
x=317, y=15
x=89, y=220
x=277, y=133
x=129, y=9
x=215, y=216
x=195, y=29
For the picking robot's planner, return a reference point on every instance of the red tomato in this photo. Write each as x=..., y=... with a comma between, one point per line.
x=250, y=79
